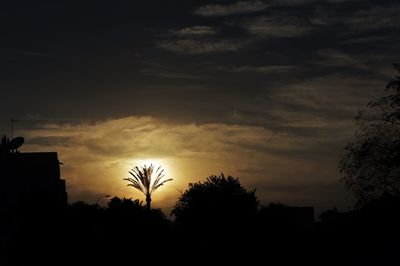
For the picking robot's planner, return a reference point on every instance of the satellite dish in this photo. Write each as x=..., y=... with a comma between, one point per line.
x=16, y=143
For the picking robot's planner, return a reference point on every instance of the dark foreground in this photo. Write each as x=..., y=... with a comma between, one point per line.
x=128, y=233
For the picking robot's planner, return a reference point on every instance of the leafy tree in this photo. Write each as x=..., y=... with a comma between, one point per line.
x=125, y=206
x=218, y=200
x=142, y=180
x=133, y=212
x=371, y=163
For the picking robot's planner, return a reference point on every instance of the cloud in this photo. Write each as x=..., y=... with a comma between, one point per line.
x=196, y=40
x=328, y=102
x=259, y=69
x=278, y=27
x=368, y=18
x=374, y=64
x=168, y=75
x=305, y=127
x=152, y=68
x=364, y=40
x=335, y=58
x=240, y=7
x=97, y=155
x=377, y=17
x=304, y=2
x=195, y=31
x=159, y=70
x=246, y=7
x=199, y=46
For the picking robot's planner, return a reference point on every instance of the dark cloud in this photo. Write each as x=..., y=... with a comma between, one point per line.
x=259, y=69
x=50, y=141
x=199, y=46
x=332, y=57
x=195, y=31
x=359, y=18
x=365, y=40
x=374, y=18
x=239, y=7
x=278, y=27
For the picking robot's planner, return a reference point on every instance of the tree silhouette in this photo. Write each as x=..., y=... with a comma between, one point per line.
x=142, y=180
x=371, y=164
x=218, y=201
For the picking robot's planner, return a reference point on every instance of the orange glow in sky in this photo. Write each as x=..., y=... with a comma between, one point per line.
x=97, y=157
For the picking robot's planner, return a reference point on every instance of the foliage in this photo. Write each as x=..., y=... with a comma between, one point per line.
x=371, y=164
x=142, y=180
x=217, y=200
x=133, y=212
x=117, y=205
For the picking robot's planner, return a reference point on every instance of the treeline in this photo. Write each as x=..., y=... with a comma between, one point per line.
x=215, y=219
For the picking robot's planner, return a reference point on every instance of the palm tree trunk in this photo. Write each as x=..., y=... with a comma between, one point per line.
x=148, y=201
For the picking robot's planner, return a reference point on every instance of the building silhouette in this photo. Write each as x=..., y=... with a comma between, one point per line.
x=29, y=179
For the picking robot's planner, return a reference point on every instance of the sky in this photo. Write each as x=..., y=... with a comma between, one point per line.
x=261, y=90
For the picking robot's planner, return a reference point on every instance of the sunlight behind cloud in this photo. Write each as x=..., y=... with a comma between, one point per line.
x=98, y=155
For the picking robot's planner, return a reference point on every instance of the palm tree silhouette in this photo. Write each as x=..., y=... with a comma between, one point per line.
x=142, y=180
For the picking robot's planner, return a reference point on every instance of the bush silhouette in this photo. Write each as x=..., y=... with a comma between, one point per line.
x=219, y=202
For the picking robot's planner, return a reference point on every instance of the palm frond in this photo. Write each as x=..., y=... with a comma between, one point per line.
x=137, y=178
x=154, y=188
x=134, y=183
x=142, y=179
x=159, y=177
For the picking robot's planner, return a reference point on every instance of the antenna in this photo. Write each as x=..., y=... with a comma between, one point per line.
x=12, y=127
